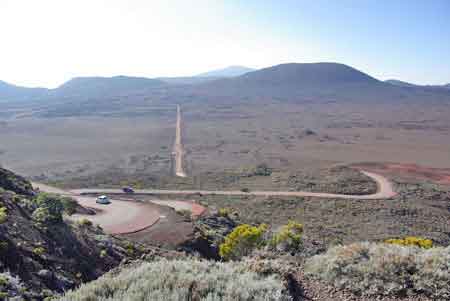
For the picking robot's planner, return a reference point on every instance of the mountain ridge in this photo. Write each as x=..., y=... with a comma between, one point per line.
x=230, y=71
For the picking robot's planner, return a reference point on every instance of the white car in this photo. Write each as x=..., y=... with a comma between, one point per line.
x=103, y=199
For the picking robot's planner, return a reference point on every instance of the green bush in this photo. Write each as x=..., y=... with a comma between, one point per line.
x=3, y=214
x=44, y=216
x=384, y=269
x=103, y=253
x=242, y=241
x=225, y=212
x=289, y=238
x=50, y=209
x=130, y=248
x=85, y=222
x=39, y=251
x=70, y=205
x=187, y=279
x=262, y=170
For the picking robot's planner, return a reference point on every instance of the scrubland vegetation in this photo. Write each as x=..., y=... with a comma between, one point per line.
x=188, y=279
x=385, y=269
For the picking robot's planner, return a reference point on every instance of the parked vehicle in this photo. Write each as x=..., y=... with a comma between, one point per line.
x=128, y=190
x=103, y=199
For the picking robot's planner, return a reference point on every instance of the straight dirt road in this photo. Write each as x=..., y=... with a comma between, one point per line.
x=178, y=151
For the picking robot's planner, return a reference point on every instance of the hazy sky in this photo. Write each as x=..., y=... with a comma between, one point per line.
x=46, y=42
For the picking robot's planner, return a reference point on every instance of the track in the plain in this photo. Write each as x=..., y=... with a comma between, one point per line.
x=178, y=151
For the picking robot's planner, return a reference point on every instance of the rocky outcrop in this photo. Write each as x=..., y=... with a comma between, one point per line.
x=15, y=183
x=209, y=233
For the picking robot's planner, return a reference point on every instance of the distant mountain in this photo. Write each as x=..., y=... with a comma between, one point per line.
x=309, y=82
x=409, y=85
x=104, y=86
x=187, y=80
x=316, y=74
x=230, y=71
x=400, y=83
x=12, y=92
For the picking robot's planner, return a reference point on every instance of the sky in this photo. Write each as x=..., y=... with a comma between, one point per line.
x=47, y=42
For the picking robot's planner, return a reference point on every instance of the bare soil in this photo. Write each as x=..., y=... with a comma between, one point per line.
x=410, y=171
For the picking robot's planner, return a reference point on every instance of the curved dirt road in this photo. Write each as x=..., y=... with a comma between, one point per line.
x=385, y=191
x=119, y=217
x=125, y=217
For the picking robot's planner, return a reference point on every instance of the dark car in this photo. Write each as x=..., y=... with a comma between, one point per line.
x=128, y=190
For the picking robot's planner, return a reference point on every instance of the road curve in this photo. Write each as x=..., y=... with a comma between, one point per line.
x=385, y=191
x=119, y=217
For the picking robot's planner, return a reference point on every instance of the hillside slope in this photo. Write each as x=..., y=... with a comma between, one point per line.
x=40, y=253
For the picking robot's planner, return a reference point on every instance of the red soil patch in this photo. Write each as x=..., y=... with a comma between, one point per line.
x=197, y=210
x=437, y=175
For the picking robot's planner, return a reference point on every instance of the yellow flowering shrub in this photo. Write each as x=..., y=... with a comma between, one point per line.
x=242, y=240
x=289, y=237
x=411, y=241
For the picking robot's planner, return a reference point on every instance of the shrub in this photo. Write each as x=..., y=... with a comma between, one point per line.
x=50, y=209
x=70, y=205
x=225, y=212
x=187, y=279
x=241, y=241
x=130, y=248
x=10, y=286
x=42, y=215
x=3, y=246
x=85, y=222
x=262, y=170
x=411, y=241
x=103, y=253
x=39, y=251
x=384, y=269
x=433, y=273
x=289, y=238
x=186, y=214
x=3, y=214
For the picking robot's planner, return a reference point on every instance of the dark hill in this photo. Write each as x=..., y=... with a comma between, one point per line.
x=315, y=74
x=104, y=86
x=299, y=82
